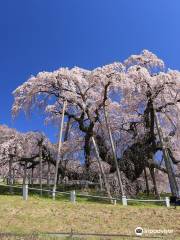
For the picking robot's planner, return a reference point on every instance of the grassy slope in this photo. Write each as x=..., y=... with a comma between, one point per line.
x=45, y=215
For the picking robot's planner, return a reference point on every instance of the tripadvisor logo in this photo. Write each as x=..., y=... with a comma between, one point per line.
x=139, y=231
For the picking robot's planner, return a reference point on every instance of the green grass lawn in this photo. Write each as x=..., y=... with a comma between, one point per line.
x=40, y=215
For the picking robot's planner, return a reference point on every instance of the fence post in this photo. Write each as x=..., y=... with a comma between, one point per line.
x=114, y=202
x=124, y=200
x=25, y=191
x=73, y=196
x=54, y=194
x=167, y=201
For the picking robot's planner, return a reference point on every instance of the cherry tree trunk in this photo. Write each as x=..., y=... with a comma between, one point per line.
x=87, y=150
x=10, y=175
x=67, y=129
x=146, y=180
x=48, y=175
x=13, y=176
x=25, y=173
x=151, y=169
x=32, y=176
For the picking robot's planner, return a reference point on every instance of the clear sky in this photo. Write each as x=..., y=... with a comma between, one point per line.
x=38, y=35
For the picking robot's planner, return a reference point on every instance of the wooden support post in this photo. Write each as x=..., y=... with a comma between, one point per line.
x=40, y=167
x=100, y=182
x=107, y=187
x=167, y=160
x=114, y=153
x=59, y=146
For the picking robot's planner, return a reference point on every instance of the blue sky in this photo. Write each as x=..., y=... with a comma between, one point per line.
x=38, y=35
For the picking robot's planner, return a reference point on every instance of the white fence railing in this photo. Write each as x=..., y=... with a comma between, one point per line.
x=73, y=195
